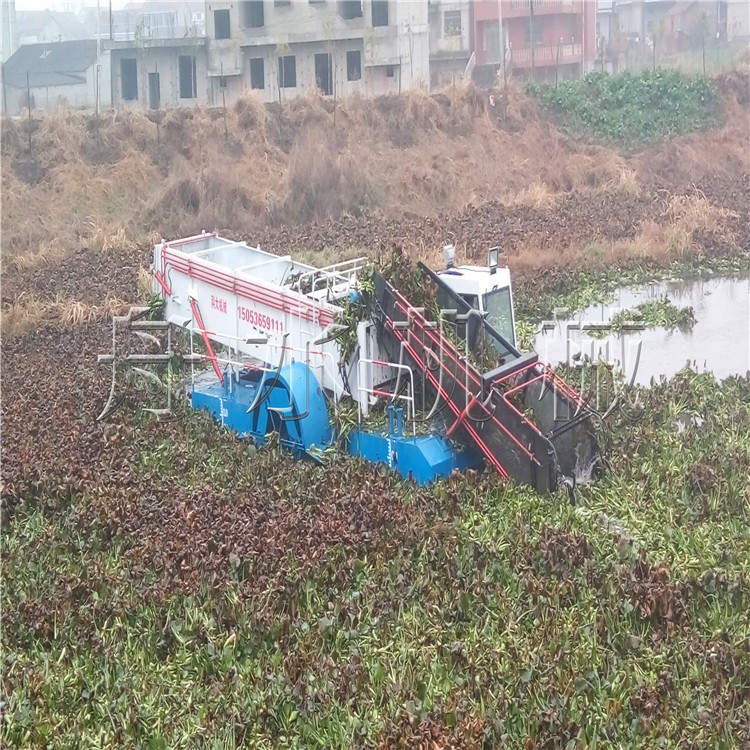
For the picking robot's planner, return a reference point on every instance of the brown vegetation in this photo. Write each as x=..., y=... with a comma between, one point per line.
x=296, y=162
x=410, y=171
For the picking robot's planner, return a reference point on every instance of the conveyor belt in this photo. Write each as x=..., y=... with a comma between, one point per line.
x=525, y=420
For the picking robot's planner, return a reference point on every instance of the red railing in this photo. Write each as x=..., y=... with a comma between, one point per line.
x=525, y=8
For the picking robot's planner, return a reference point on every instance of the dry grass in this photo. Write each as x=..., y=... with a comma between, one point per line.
x=251, y=114
x=321, y=182
x=432, y=254
x=696, y=213
x=327, y=256
x=22, y=316
x=52, y=251
x=677, y=241
x=30, y=312
x=674, y=237
x=626, y=183
x=668, y=240
x=113, y=182
x=145, y=283
x=537, y=196
x=295, y=161
x=103, y=239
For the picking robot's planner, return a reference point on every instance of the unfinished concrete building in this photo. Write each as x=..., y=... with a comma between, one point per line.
x=158, y=73
x=451, y=42
x=284, y=48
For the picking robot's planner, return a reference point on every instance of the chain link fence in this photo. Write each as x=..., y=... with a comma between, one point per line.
x=691, y=54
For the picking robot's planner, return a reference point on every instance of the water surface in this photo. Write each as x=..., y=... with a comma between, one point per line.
x=718, y=342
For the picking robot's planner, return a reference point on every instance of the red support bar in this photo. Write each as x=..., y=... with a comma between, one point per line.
x=206, y=340
x=526, y=384
x=163, y=283
x=515, y=374
x=557, y=380
x=385, y=394
x=436, y=383
x=451, y=351
x=467, y=369
x=547, y=372
x=565, y=388
x=461, y=416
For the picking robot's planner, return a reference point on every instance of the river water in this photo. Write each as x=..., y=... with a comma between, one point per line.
x=718, y=342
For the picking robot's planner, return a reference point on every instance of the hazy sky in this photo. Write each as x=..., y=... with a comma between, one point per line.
x=73, y=5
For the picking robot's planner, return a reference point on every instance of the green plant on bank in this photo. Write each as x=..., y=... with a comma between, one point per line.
x=155, y=305
x=526, y=332
x=632, y=108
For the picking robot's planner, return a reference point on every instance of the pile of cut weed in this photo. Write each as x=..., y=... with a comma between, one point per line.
x=256, y=165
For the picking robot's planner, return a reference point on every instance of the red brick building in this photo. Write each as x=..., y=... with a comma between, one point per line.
x=539, y=38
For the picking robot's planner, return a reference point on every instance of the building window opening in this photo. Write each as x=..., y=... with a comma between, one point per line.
x=287, y=72
x=353, y=66
x=349, y=9
x=129, y=76
x=324, y=73
x=379, y=12
x=257, y=73
x=222, y=27
x=252, y=14
x=452, y=23
x=188, y=77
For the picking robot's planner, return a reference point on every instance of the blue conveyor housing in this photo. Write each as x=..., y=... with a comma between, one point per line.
x=256, y=402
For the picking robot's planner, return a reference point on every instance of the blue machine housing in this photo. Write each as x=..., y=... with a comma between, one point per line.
x=290, y=402
x=422, y=458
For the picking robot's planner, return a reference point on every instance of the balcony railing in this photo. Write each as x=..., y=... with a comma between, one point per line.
x=524, y=8
x=547, y=55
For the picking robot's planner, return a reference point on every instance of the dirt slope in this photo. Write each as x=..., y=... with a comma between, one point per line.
x=262, y=166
